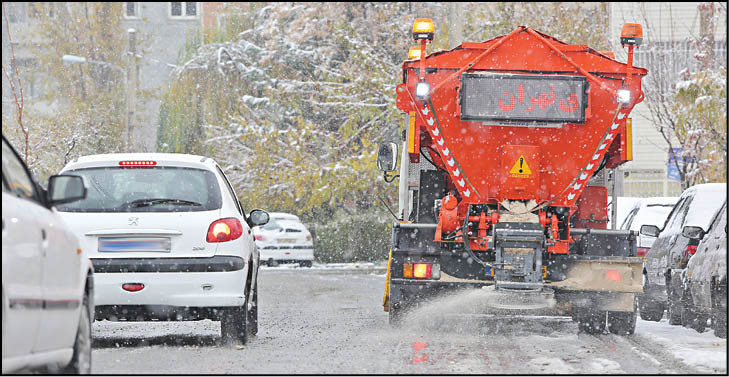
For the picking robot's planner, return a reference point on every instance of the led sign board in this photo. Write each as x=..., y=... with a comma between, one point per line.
x=523, y=98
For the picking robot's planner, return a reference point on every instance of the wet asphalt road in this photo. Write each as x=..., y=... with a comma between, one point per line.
x=332, y=322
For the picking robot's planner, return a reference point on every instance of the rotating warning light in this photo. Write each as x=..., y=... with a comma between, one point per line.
x=414, y=53
x=624, y=96
x=422, y=90
x=632, y=34
x=423, y=29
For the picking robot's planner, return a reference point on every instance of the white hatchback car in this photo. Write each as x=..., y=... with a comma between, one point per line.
x=285, y=240
x=168, y=239
x=47, y=280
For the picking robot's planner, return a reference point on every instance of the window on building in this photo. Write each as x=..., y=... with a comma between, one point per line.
x=131, y=10
x=183, y=10
x=15, y=12
x=35, y=10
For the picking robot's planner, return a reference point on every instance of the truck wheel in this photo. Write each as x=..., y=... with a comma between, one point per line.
x=674, y=312
x=650, y=311
x=81, y=360
x=234, y=324
x=592, y=323
x=622, y=323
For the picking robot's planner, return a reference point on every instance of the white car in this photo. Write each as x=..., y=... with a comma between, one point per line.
x=648, y=211
x=168, y=239
x=47, y=279
x=285, y=240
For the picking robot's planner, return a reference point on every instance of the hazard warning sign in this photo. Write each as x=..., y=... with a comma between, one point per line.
x=520, y=169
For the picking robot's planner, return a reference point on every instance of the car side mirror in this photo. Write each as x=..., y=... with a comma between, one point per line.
x=258, y=217
x=693, y=232
x=650, y=230
x=387, y=157
x=65, y=189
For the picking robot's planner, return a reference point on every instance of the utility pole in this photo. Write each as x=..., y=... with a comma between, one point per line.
x=455, y=24
x=131, y=91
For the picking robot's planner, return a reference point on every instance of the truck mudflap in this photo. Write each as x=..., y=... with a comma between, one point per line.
x=599, y=274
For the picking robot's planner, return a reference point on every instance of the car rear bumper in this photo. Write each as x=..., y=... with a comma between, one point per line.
x=287, y=254
x=165, y=285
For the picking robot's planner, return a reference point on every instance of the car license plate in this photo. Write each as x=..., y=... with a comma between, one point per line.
x=286, y=240
x=117, y=244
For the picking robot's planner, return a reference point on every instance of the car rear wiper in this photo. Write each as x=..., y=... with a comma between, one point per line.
x=150, y=202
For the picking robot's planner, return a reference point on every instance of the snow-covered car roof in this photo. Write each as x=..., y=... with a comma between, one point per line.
x=652, y=211
x=708, y=198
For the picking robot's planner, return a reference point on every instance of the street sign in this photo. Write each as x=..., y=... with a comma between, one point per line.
x=673, y=167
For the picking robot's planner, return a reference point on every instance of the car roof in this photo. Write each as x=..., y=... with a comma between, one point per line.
x=708, y=198
x=161, y=159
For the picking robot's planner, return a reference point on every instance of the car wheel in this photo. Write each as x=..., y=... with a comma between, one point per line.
x=234, y=324
x=305, y=264
x=650, y=310
x=591, y=322
x=690, y=316
x=81, y=360
x=253, y=312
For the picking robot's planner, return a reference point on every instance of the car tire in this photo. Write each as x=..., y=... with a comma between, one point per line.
x=719, y=313
x=592, y=323
x=81, y=360
x=234, y=325
x=253, y=313
x=307, y=263
x=691, y=317
x=650, y=310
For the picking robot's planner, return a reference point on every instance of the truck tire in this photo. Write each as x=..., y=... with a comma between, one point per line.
x=81, y=360
x=591, y=323
x=650, y=310
x=674, y=312
x=622, y=323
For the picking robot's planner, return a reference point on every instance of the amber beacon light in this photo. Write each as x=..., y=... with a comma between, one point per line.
x=632, y=34
x=423, y=29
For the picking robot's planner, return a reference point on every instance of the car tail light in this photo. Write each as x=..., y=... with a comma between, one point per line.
x=642, y=251
x=259, y=237
x=224, y=230
x=690, y=250
x=137, y=164
x=308, y=237
x=133, y=287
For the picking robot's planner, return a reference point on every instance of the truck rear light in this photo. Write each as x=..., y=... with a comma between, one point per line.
x=133, y=287
x=613, y=275
x=642, y=251
x=422, y=270
x=224, y=230
x=407, y=270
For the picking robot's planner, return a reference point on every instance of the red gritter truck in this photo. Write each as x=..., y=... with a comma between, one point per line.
x=503, y=176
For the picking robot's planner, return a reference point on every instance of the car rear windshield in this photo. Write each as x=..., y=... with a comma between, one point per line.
x=156, y=189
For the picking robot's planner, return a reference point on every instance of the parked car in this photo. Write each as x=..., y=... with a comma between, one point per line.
x=625, y=203
x=168, y=239
x=647, y=211
x=285, y=240
x=704, y=279
x=671, y=251
x=47, y=280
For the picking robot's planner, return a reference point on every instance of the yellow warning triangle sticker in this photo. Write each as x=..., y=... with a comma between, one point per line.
x=520, y=169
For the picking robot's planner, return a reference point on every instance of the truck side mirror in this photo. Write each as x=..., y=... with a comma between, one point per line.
x=387, y=157
x=650, y=230
x=65, y=189
x=693, y=232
